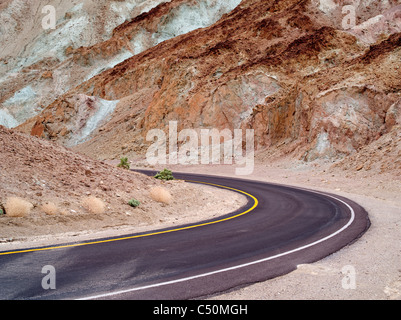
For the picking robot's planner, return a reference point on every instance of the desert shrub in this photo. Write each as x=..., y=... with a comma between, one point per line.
x=134, y=203
x=94, y=205
x=124, y=163
x=49, y=208
x=160, y=194
x=17, y=207
x=165, y=175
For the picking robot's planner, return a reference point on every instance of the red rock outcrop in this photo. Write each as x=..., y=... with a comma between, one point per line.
x=283, y=68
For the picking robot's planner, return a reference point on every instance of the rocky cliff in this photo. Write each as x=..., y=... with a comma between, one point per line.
x=311, y=88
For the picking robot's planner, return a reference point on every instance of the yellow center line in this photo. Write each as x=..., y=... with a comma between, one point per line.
x=256, y=202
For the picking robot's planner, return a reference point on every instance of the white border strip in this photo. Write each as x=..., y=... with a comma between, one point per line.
x=100, y=296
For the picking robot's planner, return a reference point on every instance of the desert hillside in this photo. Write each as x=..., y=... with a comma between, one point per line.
x=48, y=190
x=288, y=69
x=37, y=66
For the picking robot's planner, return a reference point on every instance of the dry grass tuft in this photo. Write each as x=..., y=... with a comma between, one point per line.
x=160, y=194
x=50, y=208
x=17, y=207
x=94, y=205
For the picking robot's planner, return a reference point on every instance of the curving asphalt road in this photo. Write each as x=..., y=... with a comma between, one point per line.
x=278, y=229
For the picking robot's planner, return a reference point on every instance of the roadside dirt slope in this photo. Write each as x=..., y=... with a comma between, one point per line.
x=40, y=171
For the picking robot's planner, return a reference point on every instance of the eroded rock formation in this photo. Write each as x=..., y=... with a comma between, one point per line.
x=287, y=69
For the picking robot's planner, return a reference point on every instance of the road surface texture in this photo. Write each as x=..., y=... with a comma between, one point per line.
x=279, y=228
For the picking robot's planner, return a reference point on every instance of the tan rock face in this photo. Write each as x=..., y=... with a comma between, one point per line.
x=285, y=69
x=38, y=66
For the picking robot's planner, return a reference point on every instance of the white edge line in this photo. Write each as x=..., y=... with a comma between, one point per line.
x=238, y=266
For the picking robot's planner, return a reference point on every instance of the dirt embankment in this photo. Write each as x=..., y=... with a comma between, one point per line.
x=41, y=172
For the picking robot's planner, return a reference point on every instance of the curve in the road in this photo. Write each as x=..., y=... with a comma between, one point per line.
x=286, y=226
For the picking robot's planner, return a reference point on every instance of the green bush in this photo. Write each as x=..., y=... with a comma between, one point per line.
x=124, y=163
x=165, y=175
x=134, y=203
